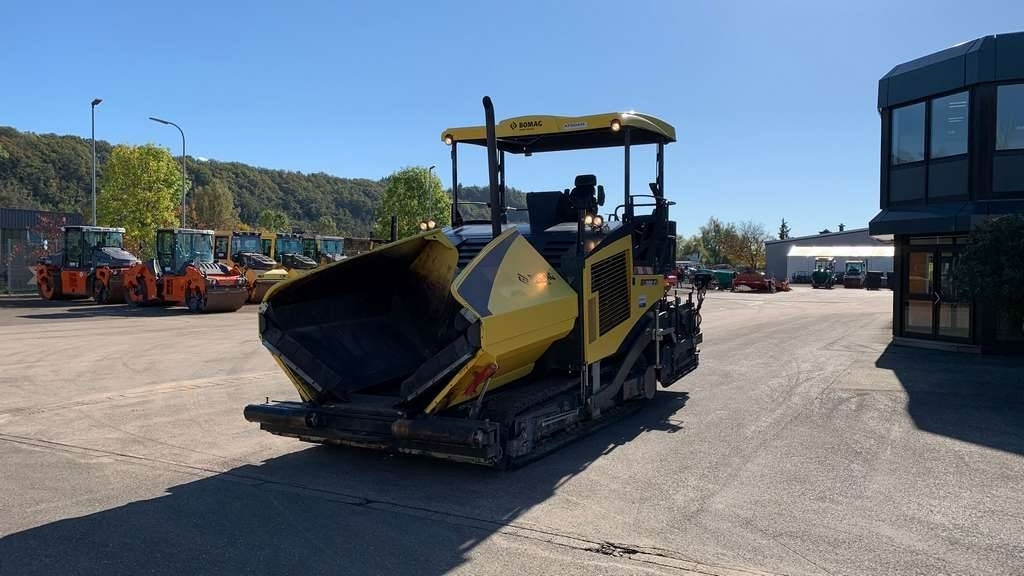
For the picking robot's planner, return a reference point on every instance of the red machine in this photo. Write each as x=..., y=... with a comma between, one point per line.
x=750, y=280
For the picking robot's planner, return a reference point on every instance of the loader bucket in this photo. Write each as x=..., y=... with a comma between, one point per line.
x=398, y=323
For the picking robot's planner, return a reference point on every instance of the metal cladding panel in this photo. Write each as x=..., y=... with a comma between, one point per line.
x=996, y=208
x=1008, y=176
x=775, y=259
x=883, y=93
x=1009, y=57
x=779, y=263
x=943, y=76
x=980, y=63
x=948, y=179
x=15, y=218
x=946, y=218
x=908, y=183
x=994, y=58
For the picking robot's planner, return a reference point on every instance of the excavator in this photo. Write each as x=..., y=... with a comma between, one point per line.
x=184, y=272
x=91, y=265
x=489, y=342
x=243, y=249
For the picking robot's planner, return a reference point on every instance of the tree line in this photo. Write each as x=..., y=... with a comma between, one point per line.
x=54, y=172
x=737, y=244
x=139, y=188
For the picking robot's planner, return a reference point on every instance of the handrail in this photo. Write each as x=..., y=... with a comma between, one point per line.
x=659, y=201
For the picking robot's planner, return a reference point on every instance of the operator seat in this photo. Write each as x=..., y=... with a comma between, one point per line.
x=584, y=193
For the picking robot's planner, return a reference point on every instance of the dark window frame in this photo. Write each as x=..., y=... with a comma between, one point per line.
x=929, y=153
x=928, y=160
x=924, y=137
x=74, y=252
x=994, y=152
x=995, y=132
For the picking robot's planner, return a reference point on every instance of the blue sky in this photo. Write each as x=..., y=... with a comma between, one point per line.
x=773, y=102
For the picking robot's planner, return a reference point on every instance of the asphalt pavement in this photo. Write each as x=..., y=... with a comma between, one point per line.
x=804, y=444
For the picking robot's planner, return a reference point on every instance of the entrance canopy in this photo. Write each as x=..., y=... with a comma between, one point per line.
x=843, y=251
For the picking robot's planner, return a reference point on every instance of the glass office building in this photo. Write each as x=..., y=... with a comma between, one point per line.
x=952, y=156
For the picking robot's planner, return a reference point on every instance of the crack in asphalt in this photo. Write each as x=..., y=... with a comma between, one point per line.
x=661, y=557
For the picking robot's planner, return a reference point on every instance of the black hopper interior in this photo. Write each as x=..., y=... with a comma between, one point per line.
x=379, y=323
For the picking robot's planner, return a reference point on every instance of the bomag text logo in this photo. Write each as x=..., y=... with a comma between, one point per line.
x=538, y=278
x=526, y=124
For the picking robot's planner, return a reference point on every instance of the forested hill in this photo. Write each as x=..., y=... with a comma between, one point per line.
x=53, y=172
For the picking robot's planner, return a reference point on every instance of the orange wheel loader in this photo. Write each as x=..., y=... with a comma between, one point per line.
x=184, y=273
x=91, y=265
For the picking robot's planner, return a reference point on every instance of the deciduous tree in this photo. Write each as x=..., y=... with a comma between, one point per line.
x=215, y=206
x=325, y=225
x=140, y=191
x=750, y=239
x=688, y=246
x=273, y=221
x=412, y=194
x=718, y=242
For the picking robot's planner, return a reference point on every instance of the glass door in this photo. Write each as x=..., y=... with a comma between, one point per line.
x=953, y=311
x=918, y=305
x=934, y=306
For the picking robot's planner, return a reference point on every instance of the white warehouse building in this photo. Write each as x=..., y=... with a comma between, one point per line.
x=793, y=258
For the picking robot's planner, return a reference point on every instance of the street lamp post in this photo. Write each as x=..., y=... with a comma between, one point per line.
x=95, y=103
x=428, y=223
x=182, y=164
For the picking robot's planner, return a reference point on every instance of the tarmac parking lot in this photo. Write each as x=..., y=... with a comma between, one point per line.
x=804, y=444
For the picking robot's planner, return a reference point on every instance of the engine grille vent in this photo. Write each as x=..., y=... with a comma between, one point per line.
x=470, y=248
x=609, y=278
x=554, y=249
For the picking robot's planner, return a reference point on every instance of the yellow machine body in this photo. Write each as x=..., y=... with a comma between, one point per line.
x=523, y=306
x=491, y=341
x=244, y=249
